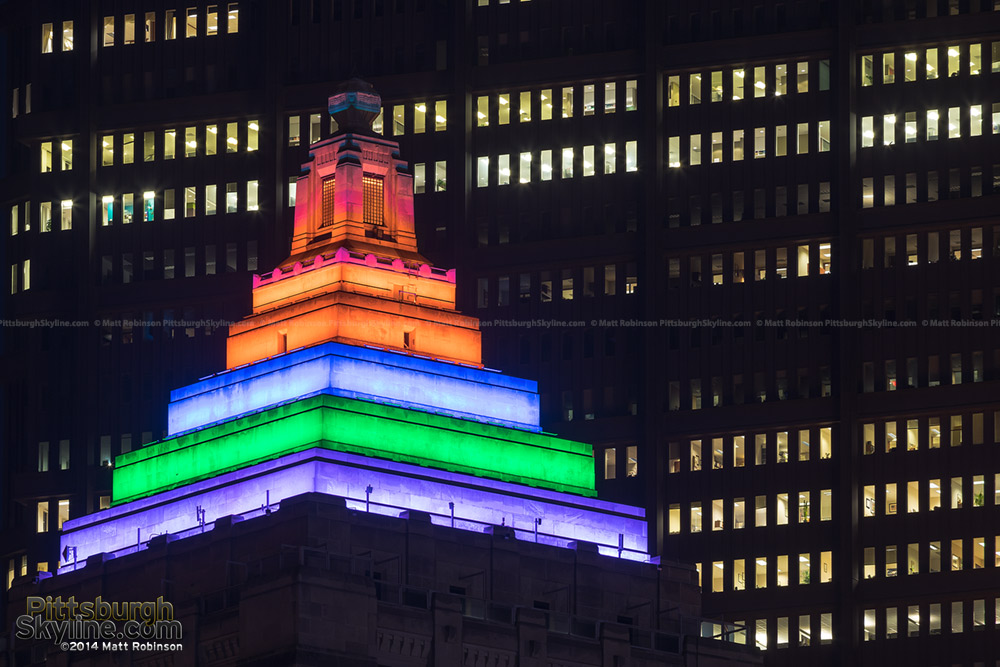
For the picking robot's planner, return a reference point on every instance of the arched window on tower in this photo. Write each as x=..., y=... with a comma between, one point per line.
x=328, y=189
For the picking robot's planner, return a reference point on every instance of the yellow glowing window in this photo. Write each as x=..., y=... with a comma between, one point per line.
x=373, y=200
x=328, y=190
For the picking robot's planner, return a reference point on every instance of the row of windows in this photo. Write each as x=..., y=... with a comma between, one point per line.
x=934, y=557
x=930, y=128
x=15, y=101
x=954, y=492
x=924, y=432
x=42, y=524
x=927, y=247
x=886, y=623
x=924, y=64
x=760, y=392
x=735, y=577
x=783, y=509
x=122, y=209
x=189, y=17
x=20, y=216
x=962, y=182
x=146, y=266
x=721, y=85
x=714, y=142
x=568, y=285
x=611, y=464
x=190, y=144
x=740, y=271
x=889, y=378
x=805, y=200
x=869, y=12
x=501, y=110
x=783, y=634
x=569, y=166
x=781, y=441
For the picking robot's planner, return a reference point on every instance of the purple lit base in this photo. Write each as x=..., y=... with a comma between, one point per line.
x=395, y=487
x=357, y=372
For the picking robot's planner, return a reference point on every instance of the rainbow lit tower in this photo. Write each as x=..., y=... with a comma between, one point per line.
x=355, y=376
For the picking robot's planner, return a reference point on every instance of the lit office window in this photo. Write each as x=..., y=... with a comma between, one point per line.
x=888, y=129
x=398, y=122
x=610, y=466
x=888, y=68
x=67, y=36
x=759, y=84
x=128, y=149
x=932, y=124
x=759, y=143
x=107, y=210
x=524, y=168
x=66, y=153
x=781, y=140
x=546, y=165
x=609, y=158
x=294, y=133
x=954, y=123
x=212, y=21
x=42, y=517
x=232, y=198
x=232, y=142
x=482, y=171
x=63, y=515
x=524, y=106
x=674, y=152
x=694, y=88
x=954, y=61
x=610, y=91
x=169, y=144
x=503, y=108
x=694, y=150
x=631, y=156
x=737, y=145
x=169, y=204
x=253, y=135
x=189, y=202
x=802, y=77
x=190, y=141
x=631, y=95
x=588, y=100
x=107, y=150
x=211, y=139
x=503, y=170
x=545, y=99
x=567, y=102
x=148, y=146
x=378, y=123
x=191, y=24
x=760, y=578
x=440, y=115
x=440, y=176
x=66, y=220
x=780, y=80
x=150, y=26
x=909, y=67
x=419, y=178
x=128, y=208
x=148, y=206
x=109, y=31
x=233, y=18
x=482, y=111
x=252, y=193
x=802, y=145
x=932, y=63
x=976, y=120
x=716, y=92
x=170, y=24
x=211, y=197
x=695, y=517
x=567, y=163
x=46, y=38
x=46, y=156
x=129, y=37
x=739, y=75
x=45, y=216
x=674, y=91
x=419, y=117
x=588, y=161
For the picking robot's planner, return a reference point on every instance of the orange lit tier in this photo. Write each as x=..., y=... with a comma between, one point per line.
x=355, y=275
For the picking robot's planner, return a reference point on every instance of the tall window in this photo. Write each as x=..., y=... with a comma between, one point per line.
x=329, y=186
x=373, y=200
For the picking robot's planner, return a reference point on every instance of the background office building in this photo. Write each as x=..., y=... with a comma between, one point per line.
x=786, y=169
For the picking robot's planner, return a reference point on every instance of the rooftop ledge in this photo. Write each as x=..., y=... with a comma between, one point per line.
x=344, y=255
